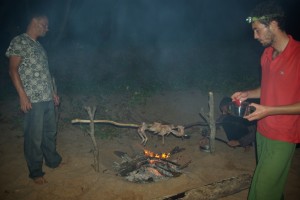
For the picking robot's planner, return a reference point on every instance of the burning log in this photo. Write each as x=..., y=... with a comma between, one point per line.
x=129, y=164
x=214, y=190
x=149, y=167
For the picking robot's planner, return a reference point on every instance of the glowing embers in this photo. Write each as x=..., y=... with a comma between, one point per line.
x=148, y=167
x=155, y=155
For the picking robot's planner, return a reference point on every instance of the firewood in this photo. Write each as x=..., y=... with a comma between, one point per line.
x=214, y=190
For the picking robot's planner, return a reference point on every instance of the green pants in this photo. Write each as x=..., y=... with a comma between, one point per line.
x=273, y=163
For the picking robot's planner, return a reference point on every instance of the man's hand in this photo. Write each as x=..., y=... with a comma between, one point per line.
x=244, y=95
x=56, y=100
x=241, y=96
x=25, y=103
x=259, y=113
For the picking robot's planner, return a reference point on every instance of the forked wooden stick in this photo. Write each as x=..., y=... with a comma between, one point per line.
x=91, y=113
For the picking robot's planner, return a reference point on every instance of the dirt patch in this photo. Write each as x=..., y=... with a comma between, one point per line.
x=77, y=178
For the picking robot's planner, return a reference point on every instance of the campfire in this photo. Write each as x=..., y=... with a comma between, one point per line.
x=151, y=154
x=148, y=166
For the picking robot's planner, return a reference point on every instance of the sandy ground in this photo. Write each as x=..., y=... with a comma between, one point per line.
x=78, y=180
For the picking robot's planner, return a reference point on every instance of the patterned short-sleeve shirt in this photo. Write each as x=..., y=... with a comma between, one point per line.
x=33, y=70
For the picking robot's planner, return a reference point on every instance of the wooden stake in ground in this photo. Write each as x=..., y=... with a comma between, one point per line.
x=91, y=113
x=212, y=123
x=214, y=190
x=210, y=120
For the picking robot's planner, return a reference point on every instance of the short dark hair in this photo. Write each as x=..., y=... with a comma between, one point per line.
x=35, y=14
x=269, y=11
x=224, y=102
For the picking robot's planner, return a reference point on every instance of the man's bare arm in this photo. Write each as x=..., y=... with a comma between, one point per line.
x=254, y=93
x=14, y=62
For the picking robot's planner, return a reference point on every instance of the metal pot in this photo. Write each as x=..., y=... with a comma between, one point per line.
x=239, y=109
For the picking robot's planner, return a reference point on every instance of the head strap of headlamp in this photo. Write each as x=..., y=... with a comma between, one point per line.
x=265, y=17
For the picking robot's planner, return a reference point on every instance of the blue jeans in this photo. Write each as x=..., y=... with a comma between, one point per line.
x=40, y=138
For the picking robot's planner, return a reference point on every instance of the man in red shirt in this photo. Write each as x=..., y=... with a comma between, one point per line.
x=278, y=114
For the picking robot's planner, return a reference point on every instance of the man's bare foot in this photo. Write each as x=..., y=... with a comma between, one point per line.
x=40, y=180
x=233, y=143
x=61, y=164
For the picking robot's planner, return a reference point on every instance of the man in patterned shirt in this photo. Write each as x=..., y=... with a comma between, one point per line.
x=28, y=69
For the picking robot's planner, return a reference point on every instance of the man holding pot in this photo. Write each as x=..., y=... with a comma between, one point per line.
x=278, y=114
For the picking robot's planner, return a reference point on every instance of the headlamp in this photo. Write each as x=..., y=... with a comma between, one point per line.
x=253, y=19
x=265, y=17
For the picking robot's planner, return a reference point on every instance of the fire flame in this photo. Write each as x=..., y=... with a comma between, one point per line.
x=155, y=155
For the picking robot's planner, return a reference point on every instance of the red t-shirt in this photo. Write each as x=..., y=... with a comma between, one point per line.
x=280, y=85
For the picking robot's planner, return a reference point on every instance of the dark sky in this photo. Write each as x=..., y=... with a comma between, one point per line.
x=138, y=21
x=167, y=31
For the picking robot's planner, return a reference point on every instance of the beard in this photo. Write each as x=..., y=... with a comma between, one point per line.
x=268, y=39
x=266, y=43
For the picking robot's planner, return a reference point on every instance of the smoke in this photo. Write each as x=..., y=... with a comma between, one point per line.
x=174, y=43
x=139, y=22
x=171, y=42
